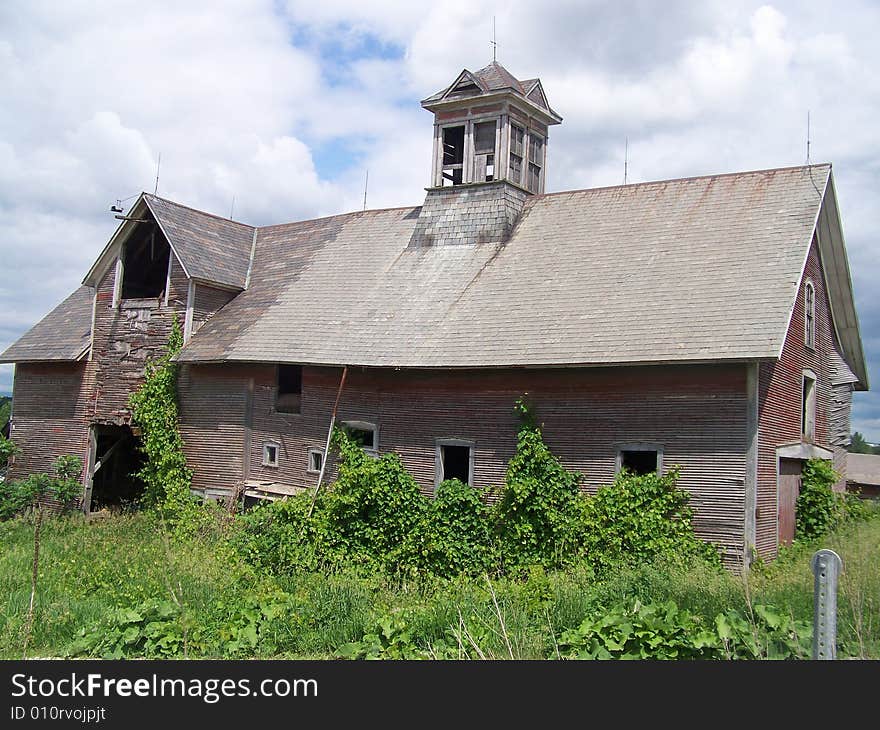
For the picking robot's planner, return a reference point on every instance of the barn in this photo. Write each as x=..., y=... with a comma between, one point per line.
x=706, y=322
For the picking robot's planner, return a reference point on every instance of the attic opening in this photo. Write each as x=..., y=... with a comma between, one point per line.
x=116, y=460
x=454, y=460
x=145, y=258
x=453, y=155
x=484, y=151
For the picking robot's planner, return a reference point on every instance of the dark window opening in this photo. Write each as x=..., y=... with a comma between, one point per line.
x=517, y=152
x=145, y=263
x=809, y=316
x=289, y=397
x=453, y=154
x=316, y=460
x=118, y=459
x=638, y=462
x=456, y=462
x=362, y=434
x=270, y=454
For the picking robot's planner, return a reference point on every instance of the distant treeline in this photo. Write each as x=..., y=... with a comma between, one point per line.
x=858, y=445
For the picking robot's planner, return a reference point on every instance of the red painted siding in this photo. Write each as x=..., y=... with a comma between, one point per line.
x=780, y=396
x=698, y=415
x=52, y=408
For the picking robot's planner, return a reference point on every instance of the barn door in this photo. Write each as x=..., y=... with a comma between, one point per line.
x=789, y=488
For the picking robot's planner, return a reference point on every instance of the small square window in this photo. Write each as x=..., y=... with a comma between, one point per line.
x=640, y=459
x=363, y=433
x=316, y=461
x=270, y=454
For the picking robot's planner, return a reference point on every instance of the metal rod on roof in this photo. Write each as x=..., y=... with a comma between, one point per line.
x=156, y=186
x=327, y=446
x=494, y=44
x=625, y=158
x=366, y=183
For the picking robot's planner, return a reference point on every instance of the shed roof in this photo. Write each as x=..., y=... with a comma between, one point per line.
x=863, y=469
x=63, y=334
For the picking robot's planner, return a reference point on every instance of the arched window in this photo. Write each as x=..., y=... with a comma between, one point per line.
x=809, y=315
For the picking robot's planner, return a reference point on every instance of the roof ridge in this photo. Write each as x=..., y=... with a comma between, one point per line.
x=685, y=179
x=197, y=210
x=339, y=215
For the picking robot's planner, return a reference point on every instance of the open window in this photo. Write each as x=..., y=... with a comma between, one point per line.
x=484, y=151
x=363, y=433
x=536, y=162
x=453, y=155
x=271, y=451
x=640, y=458
x=454, y=460
x=809, y=315
x=144, y=263
x=316, y=461
x=517, y=152
x=808, y=406
x=288, y=397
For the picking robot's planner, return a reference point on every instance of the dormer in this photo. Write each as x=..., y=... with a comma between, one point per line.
x=490, y=126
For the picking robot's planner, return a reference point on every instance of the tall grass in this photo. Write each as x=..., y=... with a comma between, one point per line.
x=89, y=569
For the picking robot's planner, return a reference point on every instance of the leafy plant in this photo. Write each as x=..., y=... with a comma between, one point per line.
x=63, y=486
x=154, y=411
x=538, y=513
x=664, y=631
x=818, y=508
x=640, y=518
x=7, y=450
x=151, y=630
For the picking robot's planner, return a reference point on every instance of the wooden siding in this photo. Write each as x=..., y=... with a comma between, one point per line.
x=212, y=418
x=697, y=414
x=208, y=301
x=53, y=404
x=780, y=395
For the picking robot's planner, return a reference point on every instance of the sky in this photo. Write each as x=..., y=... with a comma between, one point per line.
x=274, y=111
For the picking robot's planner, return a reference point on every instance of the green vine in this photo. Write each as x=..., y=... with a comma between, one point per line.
x=154, y=411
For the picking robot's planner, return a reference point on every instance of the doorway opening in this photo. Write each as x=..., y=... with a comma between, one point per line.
x=116, y=459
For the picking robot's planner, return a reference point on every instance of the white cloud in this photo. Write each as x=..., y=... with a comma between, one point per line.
x=246, y=99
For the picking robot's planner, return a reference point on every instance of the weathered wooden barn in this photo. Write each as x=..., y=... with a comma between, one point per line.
x=706, y=322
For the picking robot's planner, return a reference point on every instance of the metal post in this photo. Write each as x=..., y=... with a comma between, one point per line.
x=826, y=566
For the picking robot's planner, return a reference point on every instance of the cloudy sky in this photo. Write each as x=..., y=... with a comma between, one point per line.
x=281, y=107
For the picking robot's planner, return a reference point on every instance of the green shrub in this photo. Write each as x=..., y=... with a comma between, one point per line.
x=454, y=535
x=154, y=411
x=537, y=517
x=63, y=485
x=7, y=450
x=818, y=508
x=641, y=518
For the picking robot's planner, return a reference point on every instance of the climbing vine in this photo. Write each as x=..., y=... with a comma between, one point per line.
x=154, y=411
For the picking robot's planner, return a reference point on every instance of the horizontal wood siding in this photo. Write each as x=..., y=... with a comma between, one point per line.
x=780, y=396
x=697, y=414
x=208, y=301
x=212, y=417
x=53, y=405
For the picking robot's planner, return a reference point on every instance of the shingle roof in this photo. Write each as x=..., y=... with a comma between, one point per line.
x=695, y=269
x=63, y=334
x=210, y=248
x=493, y=77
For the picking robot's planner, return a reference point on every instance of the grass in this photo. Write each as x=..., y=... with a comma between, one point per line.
x=223, y=608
